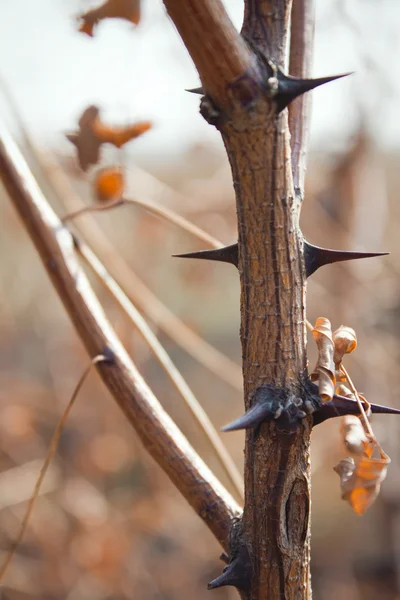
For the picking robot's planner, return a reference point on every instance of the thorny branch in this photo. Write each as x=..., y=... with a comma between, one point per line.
x=159, y=434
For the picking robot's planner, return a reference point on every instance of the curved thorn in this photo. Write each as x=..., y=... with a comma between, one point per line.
x=228, y=254
x=291, y=87
x=316, y=257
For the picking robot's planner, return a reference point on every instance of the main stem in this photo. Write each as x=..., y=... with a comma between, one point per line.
x=275, y=525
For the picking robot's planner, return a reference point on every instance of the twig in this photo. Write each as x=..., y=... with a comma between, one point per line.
x=49, y=458
x=221, y=56
x=164, y=359
x=300, y=63
x=158, y=432
x=166, y=214
x=137, y=291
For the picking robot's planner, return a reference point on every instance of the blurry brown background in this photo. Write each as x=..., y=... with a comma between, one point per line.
x=108, y=523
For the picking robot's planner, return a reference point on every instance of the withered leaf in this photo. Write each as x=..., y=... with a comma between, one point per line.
x=361, y=480
x=354, y=437
x=93, y=133
x=345, y=341
x=118, y=136
x=111, y=9
x=109, y=184
x=324, y=372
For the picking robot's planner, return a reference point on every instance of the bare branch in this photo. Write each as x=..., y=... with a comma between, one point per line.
x=138, y=292
x=158, y=432
x=168, y=365
x=221, y=56
x=301, y=53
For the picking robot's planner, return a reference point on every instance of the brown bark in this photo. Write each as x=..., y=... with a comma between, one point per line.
x=275, y=525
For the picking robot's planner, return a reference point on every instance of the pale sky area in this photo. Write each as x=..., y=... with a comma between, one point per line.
x=54, y=72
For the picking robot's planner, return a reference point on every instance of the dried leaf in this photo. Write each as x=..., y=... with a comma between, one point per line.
x=345, y=341
x=111, y=9
x=354, y=437
x=109, y=184
x=118, y=136
x=93, y=133
x=324, y=371
x=361, y=480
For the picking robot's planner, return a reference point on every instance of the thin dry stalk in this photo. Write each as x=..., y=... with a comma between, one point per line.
x=168, y=215
x=137, y=291
x=164, y=359
x=50, y=455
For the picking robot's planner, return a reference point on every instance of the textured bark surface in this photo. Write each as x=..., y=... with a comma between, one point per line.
x=275, y=525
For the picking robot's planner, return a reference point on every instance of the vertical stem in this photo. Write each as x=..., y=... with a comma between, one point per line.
x=300, y=62
x=275, y=526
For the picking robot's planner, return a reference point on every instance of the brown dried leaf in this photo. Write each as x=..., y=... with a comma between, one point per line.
x=345, y=341
x=93, y=133
x=361, y=480
x=109, y=184
x=111, y=9
x=354, y=437
x=324, y=371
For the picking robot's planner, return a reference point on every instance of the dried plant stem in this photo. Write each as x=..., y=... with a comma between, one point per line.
x=162, y=356
x=158, y=433
x=211, y=358
x=160, y=211
x=50, y=455
x=364, y=417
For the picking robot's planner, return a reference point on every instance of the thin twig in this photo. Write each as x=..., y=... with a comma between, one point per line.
x=164, y=359
x=137, y=291
x=166, y=214
x=364, y=416
x=159, y=434
x=50, y=455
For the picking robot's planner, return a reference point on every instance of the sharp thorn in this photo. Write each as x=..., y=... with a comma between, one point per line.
x=236, y=573
x=228, y=254
x=316, y=257
x=291, y=87
x=252, y=418
x=198, y=90
x=340, y=406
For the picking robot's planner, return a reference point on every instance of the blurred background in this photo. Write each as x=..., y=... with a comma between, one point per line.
x=108, y=523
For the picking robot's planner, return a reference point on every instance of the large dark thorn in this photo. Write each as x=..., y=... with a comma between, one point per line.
x=340, y=406
x=252, y=418
x=228, y=254
x=236, y=573
x=291, y=87
x=269, y=403
x=316, y=257
x=198, y=90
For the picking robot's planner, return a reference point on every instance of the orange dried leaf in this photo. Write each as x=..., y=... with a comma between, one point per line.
x=118, y=136
x=109, y=184
x=345, y=341
x=111, y=9
x=324, y=372
x=93, y=133
x=361, y=480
